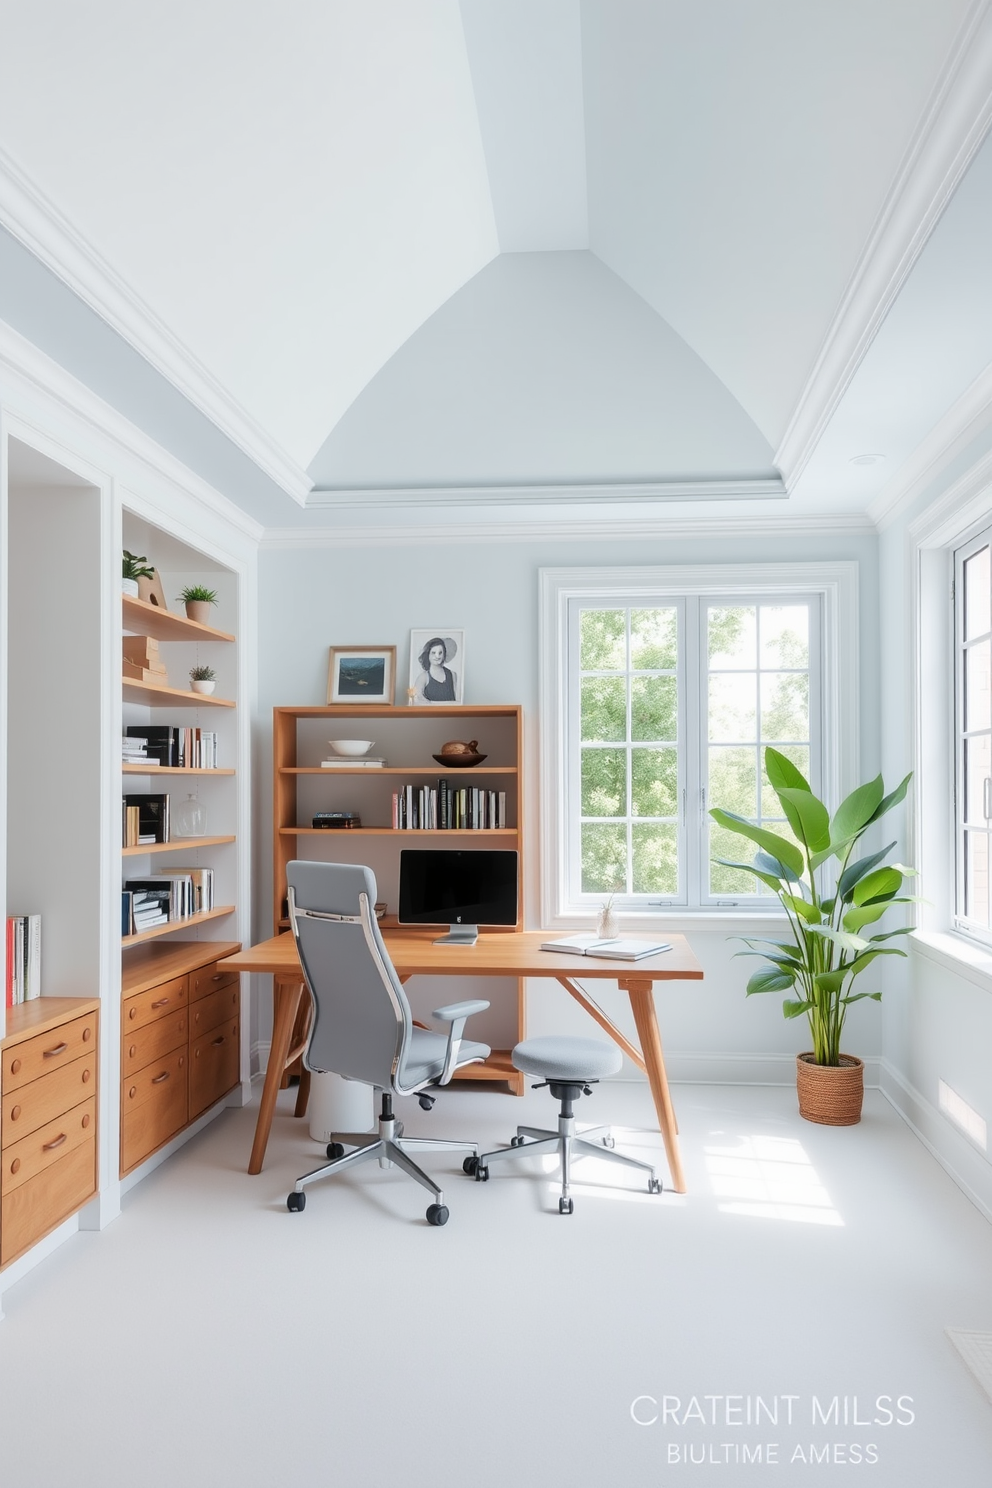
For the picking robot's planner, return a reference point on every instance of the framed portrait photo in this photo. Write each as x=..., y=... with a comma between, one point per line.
x=361, y=674
x=437, y=666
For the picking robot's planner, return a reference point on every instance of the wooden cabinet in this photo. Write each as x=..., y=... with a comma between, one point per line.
x=408, y=739
x=48, y=1098
x=180, y=1041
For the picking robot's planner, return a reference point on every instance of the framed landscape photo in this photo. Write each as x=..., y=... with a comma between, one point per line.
x=361, y=674
x=437, y=666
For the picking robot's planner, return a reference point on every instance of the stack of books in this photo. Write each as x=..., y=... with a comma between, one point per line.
x=135, y=751
x=180, y=748
x=145, y=820
x=159, y=898
x=23, y=958
x=344, y=762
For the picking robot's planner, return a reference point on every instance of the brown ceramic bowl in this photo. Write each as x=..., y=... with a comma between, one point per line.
x=460, y=761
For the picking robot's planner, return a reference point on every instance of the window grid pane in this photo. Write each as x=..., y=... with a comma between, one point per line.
x=973, y=752
x=758, y=693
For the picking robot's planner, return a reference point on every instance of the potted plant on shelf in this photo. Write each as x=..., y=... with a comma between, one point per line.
x=825, y=949
x=198, y=598
x=133, y=569
x=202, y=679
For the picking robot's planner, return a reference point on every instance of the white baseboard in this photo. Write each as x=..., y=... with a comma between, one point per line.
x=961, y=1160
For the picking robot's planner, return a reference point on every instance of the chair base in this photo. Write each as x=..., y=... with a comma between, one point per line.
x=567, y=1143
x=391, y=1148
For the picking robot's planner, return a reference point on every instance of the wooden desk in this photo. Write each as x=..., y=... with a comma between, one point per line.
x=413, y=953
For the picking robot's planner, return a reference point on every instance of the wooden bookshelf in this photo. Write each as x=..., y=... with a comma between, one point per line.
x=190, y=922
x=153, y=695
x=177, y=844
x=143, y=618
x=171, y=770
x=406, y=770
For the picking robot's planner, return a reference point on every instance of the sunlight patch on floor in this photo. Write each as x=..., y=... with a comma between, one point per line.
x=768, y=1178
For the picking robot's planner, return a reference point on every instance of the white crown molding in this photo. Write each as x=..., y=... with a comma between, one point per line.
x=963, y=422
x=947, y=520
x=954, y=122
x=551, y=494
x=37, y=222
x=21, y=360
x=594, y=529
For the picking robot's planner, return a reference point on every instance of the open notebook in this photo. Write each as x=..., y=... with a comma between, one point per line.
x=625, y=949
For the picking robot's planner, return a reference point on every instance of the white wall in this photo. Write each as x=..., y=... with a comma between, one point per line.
x=313, y=597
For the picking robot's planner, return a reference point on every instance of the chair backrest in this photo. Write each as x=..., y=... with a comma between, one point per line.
x=361, y=1018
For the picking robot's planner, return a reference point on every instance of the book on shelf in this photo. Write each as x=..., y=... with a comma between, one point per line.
x=146, y=819
x=23, y=969
x=342, y=763
x=203, y=887
x=615, y=948
x=177, y=747
x=134, y=751
x=446, y=807
x=173, y=892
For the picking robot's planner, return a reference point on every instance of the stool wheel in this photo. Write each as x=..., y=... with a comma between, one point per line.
x=481, y=1174
x=654, y=1185
x=437, y=1214
x=516, y=1141
x=296, y=1203
x=565, y=1206
x=608, y=1141
x=470, y=1164
x=334, y=1149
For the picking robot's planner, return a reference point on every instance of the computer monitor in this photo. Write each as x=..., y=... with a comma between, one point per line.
x=462, y=890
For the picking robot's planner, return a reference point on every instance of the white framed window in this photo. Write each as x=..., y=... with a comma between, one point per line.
x=973, y=735
x=660, y=689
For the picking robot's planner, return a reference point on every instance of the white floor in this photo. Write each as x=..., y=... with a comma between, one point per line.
x=209, y=1338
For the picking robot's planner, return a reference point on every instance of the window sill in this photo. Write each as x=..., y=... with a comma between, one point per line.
x=956, y=954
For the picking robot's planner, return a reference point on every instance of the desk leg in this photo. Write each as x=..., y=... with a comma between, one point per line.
x=285, y=1001
x=641, y=994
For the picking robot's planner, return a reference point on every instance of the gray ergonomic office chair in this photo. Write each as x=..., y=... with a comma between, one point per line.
x=569, y=1067
x=362, y=1027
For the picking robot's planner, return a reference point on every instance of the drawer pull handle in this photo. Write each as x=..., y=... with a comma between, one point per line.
x=58, y=1049
x=159, y=1078
x=15, y=1113
x=15, y=1065
x=56, y=1142
x=162, y=1002
x=218, y=1041
x=218, y=976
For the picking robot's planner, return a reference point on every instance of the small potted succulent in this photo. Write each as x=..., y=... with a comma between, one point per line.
x=133, y=569
x=198, y=598
x=202, y=679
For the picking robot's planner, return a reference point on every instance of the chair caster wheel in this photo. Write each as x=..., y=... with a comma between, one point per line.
x=296, y=1203
x=654, y=1185
x=334, y=1149
x=481, y=1174
x=516, y=1141
x=565, y=1206
x=437, y=1214
x=609, y=1142
x=470, y=1164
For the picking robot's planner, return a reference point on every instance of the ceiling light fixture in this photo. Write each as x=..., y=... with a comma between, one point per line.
x=866, y=459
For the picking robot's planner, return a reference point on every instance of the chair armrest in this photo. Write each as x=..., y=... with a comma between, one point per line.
x=456, y=1014
x=459, y=1010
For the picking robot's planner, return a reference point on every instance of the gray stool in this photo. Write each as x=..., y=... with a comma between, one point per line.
x=569, y=1067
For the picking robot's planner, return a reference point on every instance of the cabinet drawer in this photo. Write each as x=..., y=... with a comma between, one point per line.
x=208, y=979
x=30, y=1106
x=154, y=1106
x=152, y=1041
x=48, y=1051
x=37, y=1206
x=157, y=1002
x=214, y=1066
x=48, y=1145
x=217, y=1007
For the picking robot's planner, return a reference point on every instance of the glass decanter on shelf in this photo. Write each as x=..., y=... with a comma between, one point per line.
x=189, y=818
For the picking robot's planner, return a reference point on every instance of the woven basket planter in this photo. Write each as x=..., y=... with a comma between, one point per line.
x=830, y=1094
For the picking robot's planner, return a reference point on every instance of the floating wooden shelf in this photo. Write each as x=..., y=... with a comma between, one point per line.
x=178, y=844
x=398, y=831
x=432, y=770
x=185, y=924
x=129, y=769
x=147, y=619
x=155, y=696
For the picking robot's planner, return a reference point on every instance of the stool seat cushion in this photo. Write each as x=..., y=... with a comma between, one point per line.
x=565, y=1058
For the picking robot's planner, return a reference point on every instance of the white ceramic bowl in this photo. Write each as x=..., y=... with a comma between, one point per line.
x=351, y=747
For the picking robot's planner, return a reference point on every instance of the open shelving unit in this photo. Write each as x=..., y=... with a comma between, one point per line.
x=407, y=737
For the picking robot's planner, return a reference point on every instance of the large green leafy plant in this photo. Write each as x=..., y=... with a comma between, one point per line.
x=827, y=951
